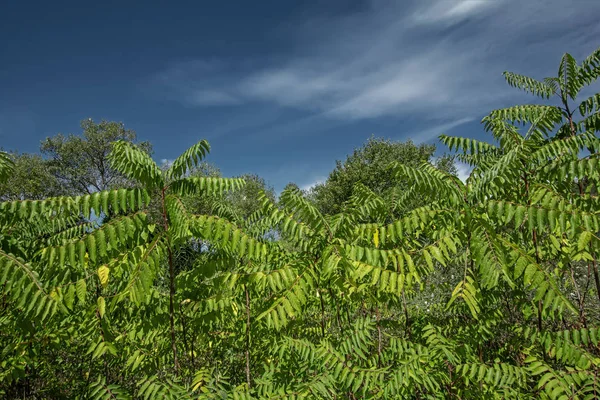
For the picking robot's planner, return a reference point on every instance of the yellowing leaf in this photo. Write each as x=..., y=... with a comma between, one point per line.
x=103, y=272
x=376, y=238
x=101, y=306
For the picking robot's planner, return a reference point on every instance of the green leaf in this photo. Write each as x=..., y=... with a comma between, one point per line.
x=81, y=289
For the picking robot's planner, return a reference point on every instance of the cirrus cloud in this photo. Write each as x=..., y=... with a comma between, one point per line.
x=435, y=59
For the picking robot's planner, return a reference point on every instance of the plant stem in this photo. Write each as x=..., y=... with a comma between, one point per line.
x=378, y=336
x=171, y=285
x=247, y=336
x=184, y=330
x=596, y=278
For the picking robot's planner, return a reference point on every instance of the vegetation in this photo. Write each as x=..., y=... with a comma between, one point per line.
x=80, y=163
x=422, y=286
x=368, y=165
x=29, y=179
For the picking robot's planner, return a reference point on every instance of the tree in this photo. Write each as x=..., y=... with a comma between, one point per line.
x=369, y=165
x=81, y=164
x=30, y=179
x=248, y=199
x=564, y=87
x=71, y=263
x=242, y=203
x=135, y=164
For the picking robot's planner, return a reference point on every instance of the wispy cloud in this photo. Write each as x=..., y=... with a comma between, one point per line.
x=438, y=59
x=450, y=11
x=426, y=135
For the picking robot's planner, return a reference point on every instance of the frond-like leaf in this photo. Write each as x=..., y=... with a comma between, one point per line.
x=136, y=164
x=529, y=85
x=6, y=165
x=190, y=158
x=213, y=185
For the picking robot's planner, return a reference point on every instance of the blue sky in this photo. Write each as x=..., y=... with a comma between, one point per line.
x=279, y=88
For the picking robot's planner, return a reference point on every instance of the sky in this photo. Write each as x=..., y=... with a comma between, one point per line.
x=279, y=88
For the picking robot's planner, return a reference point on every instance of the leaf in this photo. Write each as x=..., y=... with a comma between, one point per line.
x=584, y=240
x=101, y=306
x=103, y=273
x=81, y=289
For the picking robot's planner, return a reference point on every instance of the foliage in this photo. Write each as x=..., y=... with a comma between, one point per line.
x=30, y=178
x=368, y=165
x=487, y=288
x=81, y=163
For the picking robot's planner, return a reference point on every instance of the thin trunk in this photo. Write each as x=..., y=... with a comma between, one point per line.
x=193, y=351
x=247, y=336
x=537, y=254
x=596, y=278
x=378, y=336
x=348, y=317
x=580, y=298
x=322, y=314
x=569, y=113
x=98, y=294
x=337, y=311
x=405, y=313
x=184, y=330
x=172, y=307
x=31, y=372
x=537, y=260
x=171, y=287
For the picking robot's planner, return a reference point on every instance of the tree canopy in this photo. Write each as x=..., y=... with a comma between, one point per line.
x=369, y=165
x=80, y=163
x=30, y=178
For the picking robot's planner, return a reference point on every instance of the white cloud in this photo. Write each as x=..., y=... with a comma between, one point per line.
x=453, y=10
x=289, y=86
x=403, y=85
x=464, y=170
x=437, y=60
x=430, y=133
x=317, y=181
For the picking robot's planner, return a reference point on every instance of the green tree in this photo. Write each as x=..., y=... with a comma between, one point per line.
x=248, y=199
x=70, y=263
x=30, y=179
x=369, y=165
x=81, y=164
x=240, y=203
x=560, y=119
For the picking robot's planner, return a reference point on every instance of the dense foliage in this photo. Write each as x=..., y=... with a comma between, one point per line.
x=487, y=288
x=368, y=165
